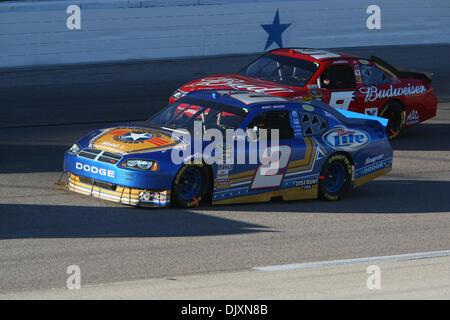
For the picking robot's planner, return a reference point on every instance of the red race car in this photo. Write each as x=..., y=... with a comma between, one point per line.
x=370, y=86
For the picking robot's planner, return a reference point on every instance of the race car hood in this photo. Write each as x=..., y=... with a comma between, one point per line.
x=125, y=140
x=236, y=82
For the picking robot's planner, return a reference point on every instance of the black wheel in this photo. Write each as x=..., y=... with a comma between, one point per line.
x=190, y=186
x=335, y=177
x=393, y=111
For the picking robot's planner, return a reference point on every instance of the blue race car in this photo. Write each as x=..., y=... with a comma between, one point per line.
x=275, y=147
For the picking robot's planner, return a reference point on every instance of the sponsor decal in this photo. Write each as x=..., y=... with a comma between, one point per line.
x=222, y=172
x=223, y=182
x=340, y=61
x=371, y=111
x=160, y=198
x=315, y=93
x=346, y=139
x=145, y=196
x=224, y=167
x=295, y=124
x=357, y=72
x=385, y=164
x=412, y=118
x=308, y=107
x=223, y=175
x=306, y=183
x=313, y=86
x=188, y=111
x=95, y=170
x=113, y=147
x=372, y=93
x=237, y=84
x=373, y=159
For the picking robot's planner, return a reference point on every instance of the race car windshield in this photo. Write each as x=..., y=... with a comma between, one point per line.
x=281, y=69
x=183, y=114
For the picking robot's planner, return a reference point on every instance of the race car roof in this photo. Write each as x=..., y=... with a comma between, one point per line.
x=315, y=55
x=248, y=100
x=240, y=98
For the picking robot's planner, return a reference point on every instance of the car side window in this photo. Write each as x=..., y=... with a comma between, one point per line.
x=274, y=119
x=313, y=124
x=373, y=76
x=338, y=77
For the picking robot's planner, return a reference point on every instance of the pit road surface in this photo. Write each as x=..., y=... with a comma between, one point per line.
x=44, y=229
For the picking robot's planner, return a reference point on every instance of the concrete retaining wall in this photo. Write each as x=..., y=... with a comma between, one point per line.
x=35, y=33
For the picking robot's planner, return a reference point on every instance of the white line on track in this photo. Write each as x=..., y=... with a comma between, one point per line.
x=319, y=264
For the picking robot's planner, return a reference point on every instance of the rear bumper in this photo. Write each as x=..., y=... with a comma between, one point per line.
x=431, y=109
x=116, y=193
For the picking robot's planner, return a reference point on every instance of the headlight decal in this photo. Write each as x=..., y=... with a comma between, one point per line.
x=141, y=164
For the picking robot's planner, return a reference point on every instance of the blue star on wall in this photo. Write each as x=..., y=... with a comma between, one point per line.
x=275, y=30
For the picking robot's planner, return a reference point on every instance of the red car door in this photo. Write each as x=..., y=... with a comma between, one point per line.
x=339, y=84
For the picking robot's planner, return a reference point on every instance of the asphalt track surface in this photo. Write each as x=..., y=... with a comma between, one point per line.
x=44, y=229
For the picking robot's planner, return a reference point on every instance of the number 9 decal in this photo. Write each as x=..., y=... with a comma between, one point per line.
x=273, y=159
x=341, y=99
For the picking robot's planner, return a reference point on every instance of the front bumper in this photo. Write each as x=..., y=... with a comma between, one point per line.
x=116, y=193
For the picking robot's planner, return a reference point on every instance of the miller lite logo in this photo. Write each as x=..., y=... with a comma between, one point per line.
x=346, y=139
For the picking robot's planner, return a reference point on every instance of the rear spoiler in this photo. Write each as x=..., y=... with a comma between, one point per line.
x=357, y=115
x=404, y=72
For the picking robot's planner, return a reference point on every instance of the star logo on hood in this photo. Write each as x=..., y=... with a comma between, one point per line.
x=133, y=136
x=275, y=30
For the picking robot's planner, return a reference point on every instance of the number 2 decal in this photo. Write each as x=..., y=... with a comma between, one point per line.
x=273, y=160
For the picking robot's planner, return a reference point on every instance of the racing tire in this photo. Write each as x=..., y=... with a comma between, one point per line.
x=190, y=186
x=335, y=177
x=394, y=112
